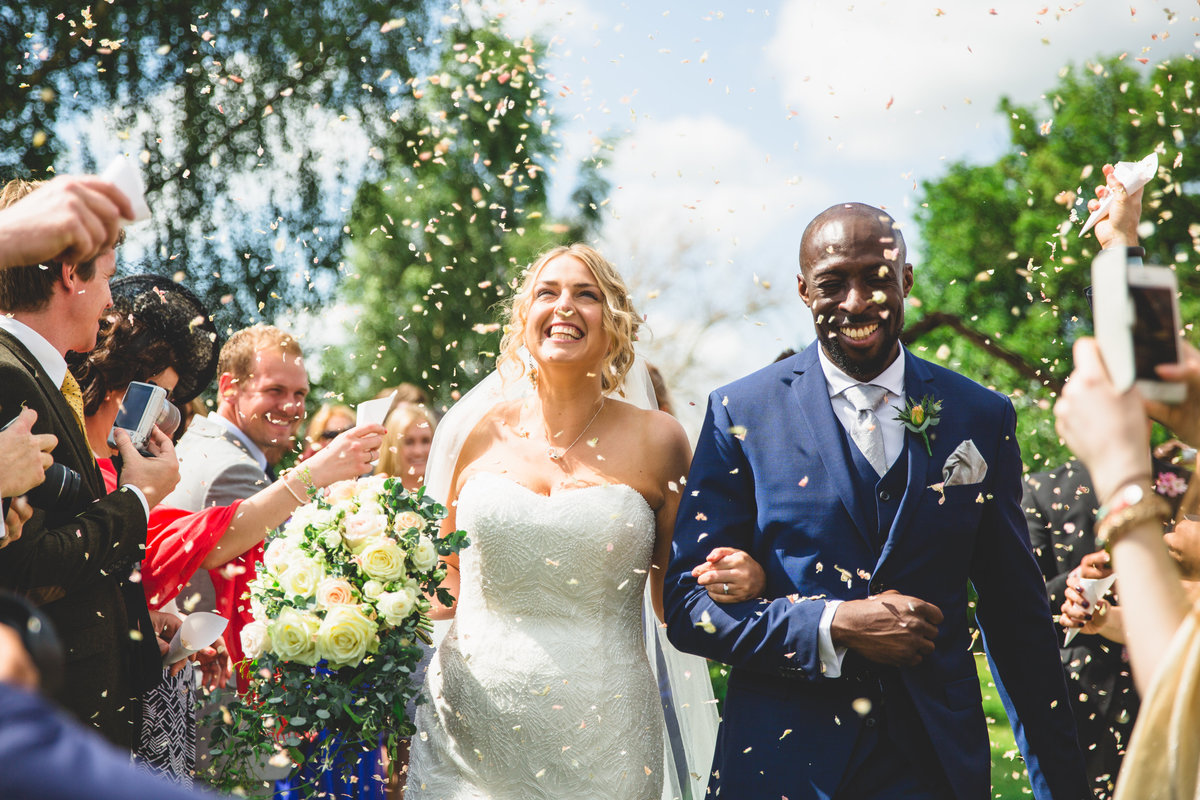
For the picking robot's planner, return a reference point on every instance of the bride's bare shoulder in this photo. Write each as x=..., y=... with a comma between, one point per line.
x=656, y=429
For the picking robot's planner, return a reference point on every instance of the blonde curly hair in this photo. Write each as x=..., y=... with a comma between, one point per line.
x=619, y=319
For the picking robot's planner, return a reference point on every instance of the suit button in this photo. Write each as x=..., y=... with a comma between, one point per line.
x=885, y=495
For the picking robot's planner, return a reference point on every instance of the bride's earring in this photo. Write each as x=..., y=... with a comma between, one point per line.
x=533, y=376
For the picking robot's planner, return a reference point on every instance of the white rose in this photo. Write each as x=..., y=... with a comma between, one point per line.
x=425, y=554
x=332, y=539
x=370, y=500
x=340, y=491
x=382, y=560
x=345, y=636
x=396, y=606
x=372, y=589
x=335, y=592
x=293, y=636
x=255, y=639
x=301, y=576
x=278, y=553
x=408, y=519
x=362, y=529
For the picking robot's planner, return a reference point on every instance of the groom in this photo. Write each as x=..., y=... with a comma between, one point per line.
x=853, y=676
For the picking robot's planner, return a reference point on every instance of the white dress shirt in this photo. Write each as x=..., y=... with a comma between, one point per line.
x=54, y=365
x=893, y=431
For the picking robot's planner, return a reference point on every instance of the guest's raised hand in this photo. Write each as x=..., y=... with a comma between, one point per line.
x=349, y=455
x=26, y=455
x=72, y=218
x=888, y=628
x=730, y=575
x=1105, y=428
x=1120, y=226
x=1182, y=419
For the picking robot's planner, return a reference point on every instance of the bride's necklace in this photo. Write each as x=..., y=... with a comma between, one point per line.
x=557, y=455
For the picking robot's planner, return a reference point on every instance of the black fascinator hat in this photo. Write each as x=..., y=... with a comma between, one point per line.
x=177, y=315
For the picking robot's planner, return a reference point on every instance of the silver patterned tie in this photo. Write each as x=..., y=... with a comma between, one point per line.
x=866, y=433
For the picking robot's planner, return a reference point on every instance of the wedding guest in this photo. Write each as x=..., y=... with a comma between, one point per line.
x=159, y=332
x=852, y=674
x=406, y=444
x=230, y=455
x=44, y=755
x=1163, y=760
x=1060, y=508
x=330, y=421
x=74, y=558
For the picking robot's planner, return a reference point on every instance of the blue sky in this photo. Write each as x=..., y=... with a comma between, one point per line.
x=737, y=125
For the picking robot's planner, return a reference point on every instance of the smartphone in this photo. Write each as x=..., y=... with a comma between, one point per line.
x=1154, y=292
x=144, y=406
x=1136, y=318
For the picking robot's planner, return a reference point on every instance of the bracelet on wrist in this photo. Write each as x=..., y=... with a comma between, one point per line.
x=288, y=486
x=1135, y=251
x=1131, y=506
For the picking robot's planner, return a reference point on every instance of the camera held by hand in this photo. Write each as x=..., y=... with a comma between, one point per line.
x=144, y=407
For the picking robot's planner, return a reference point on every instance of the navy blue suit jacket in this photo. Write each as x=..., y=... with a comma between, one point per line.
x=771, y=476
x=46, y=756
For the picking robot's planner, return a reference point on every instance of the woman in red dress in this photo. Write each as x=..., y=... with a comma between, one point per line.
x=159, y=332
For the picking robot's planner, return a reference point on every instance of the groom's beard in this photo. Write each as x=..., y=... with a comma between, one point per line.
x=860, y=369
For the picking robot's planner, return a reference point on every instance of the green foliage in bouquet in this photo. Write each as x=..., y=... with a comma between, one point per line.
x=339, y=604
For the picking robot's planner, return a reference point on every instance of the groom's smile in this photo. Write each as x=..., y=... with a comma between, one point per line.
x=854, y=280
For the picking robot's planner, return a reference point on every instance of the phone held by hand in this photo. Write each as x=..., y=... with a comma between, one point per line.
x=144, y=406
x=1135, y=312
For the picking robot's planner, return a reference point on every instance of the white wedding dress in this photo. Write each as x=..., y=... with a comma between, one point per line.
x=542, y=687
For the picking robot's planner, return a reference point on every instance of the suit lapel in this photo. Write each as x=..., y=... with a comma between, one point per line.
x=63, y=424
x=918, y=382
x=820, y=426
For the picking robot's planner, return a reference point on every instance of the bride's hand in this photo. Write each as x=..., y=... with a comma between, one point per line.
x=730, y=576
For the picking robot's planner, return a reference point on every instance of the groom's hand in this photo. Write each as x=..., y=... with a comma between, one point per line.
x=890, y=628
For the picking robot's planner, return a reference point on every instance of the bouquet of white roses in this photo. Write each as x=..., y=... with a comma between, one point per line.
x=338, y=605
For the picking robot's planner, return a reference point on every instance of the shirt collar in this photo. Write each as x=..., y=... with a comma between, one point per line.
x=46, y=354
x=837, y=381
x=255, y=452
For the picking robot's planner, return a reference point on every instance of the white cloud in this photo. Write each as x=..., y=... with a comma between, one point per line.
x=942, y=70
x=701, y=223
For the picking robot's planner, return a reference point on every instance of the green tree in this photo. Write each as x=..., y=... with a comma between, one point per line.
x=229, y=108
x=1001, y=295
x=441, y=239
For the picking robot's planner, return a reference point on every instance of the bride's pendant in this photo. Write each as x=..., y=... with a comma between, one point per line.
x=554, y=456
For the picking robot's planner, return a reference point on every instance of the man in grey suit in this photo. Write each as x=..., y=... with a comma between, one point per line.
x=230, y=455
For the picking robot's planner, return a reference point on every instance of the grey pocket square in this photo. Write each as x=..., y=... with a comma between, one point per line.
x=964, y=466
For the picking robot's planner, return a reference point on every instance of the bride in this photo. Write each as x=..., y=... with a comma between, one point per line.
x=542, y=687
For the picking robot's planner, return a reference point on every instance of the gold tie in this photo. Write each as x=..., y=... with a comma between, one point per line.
x=74, y=397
